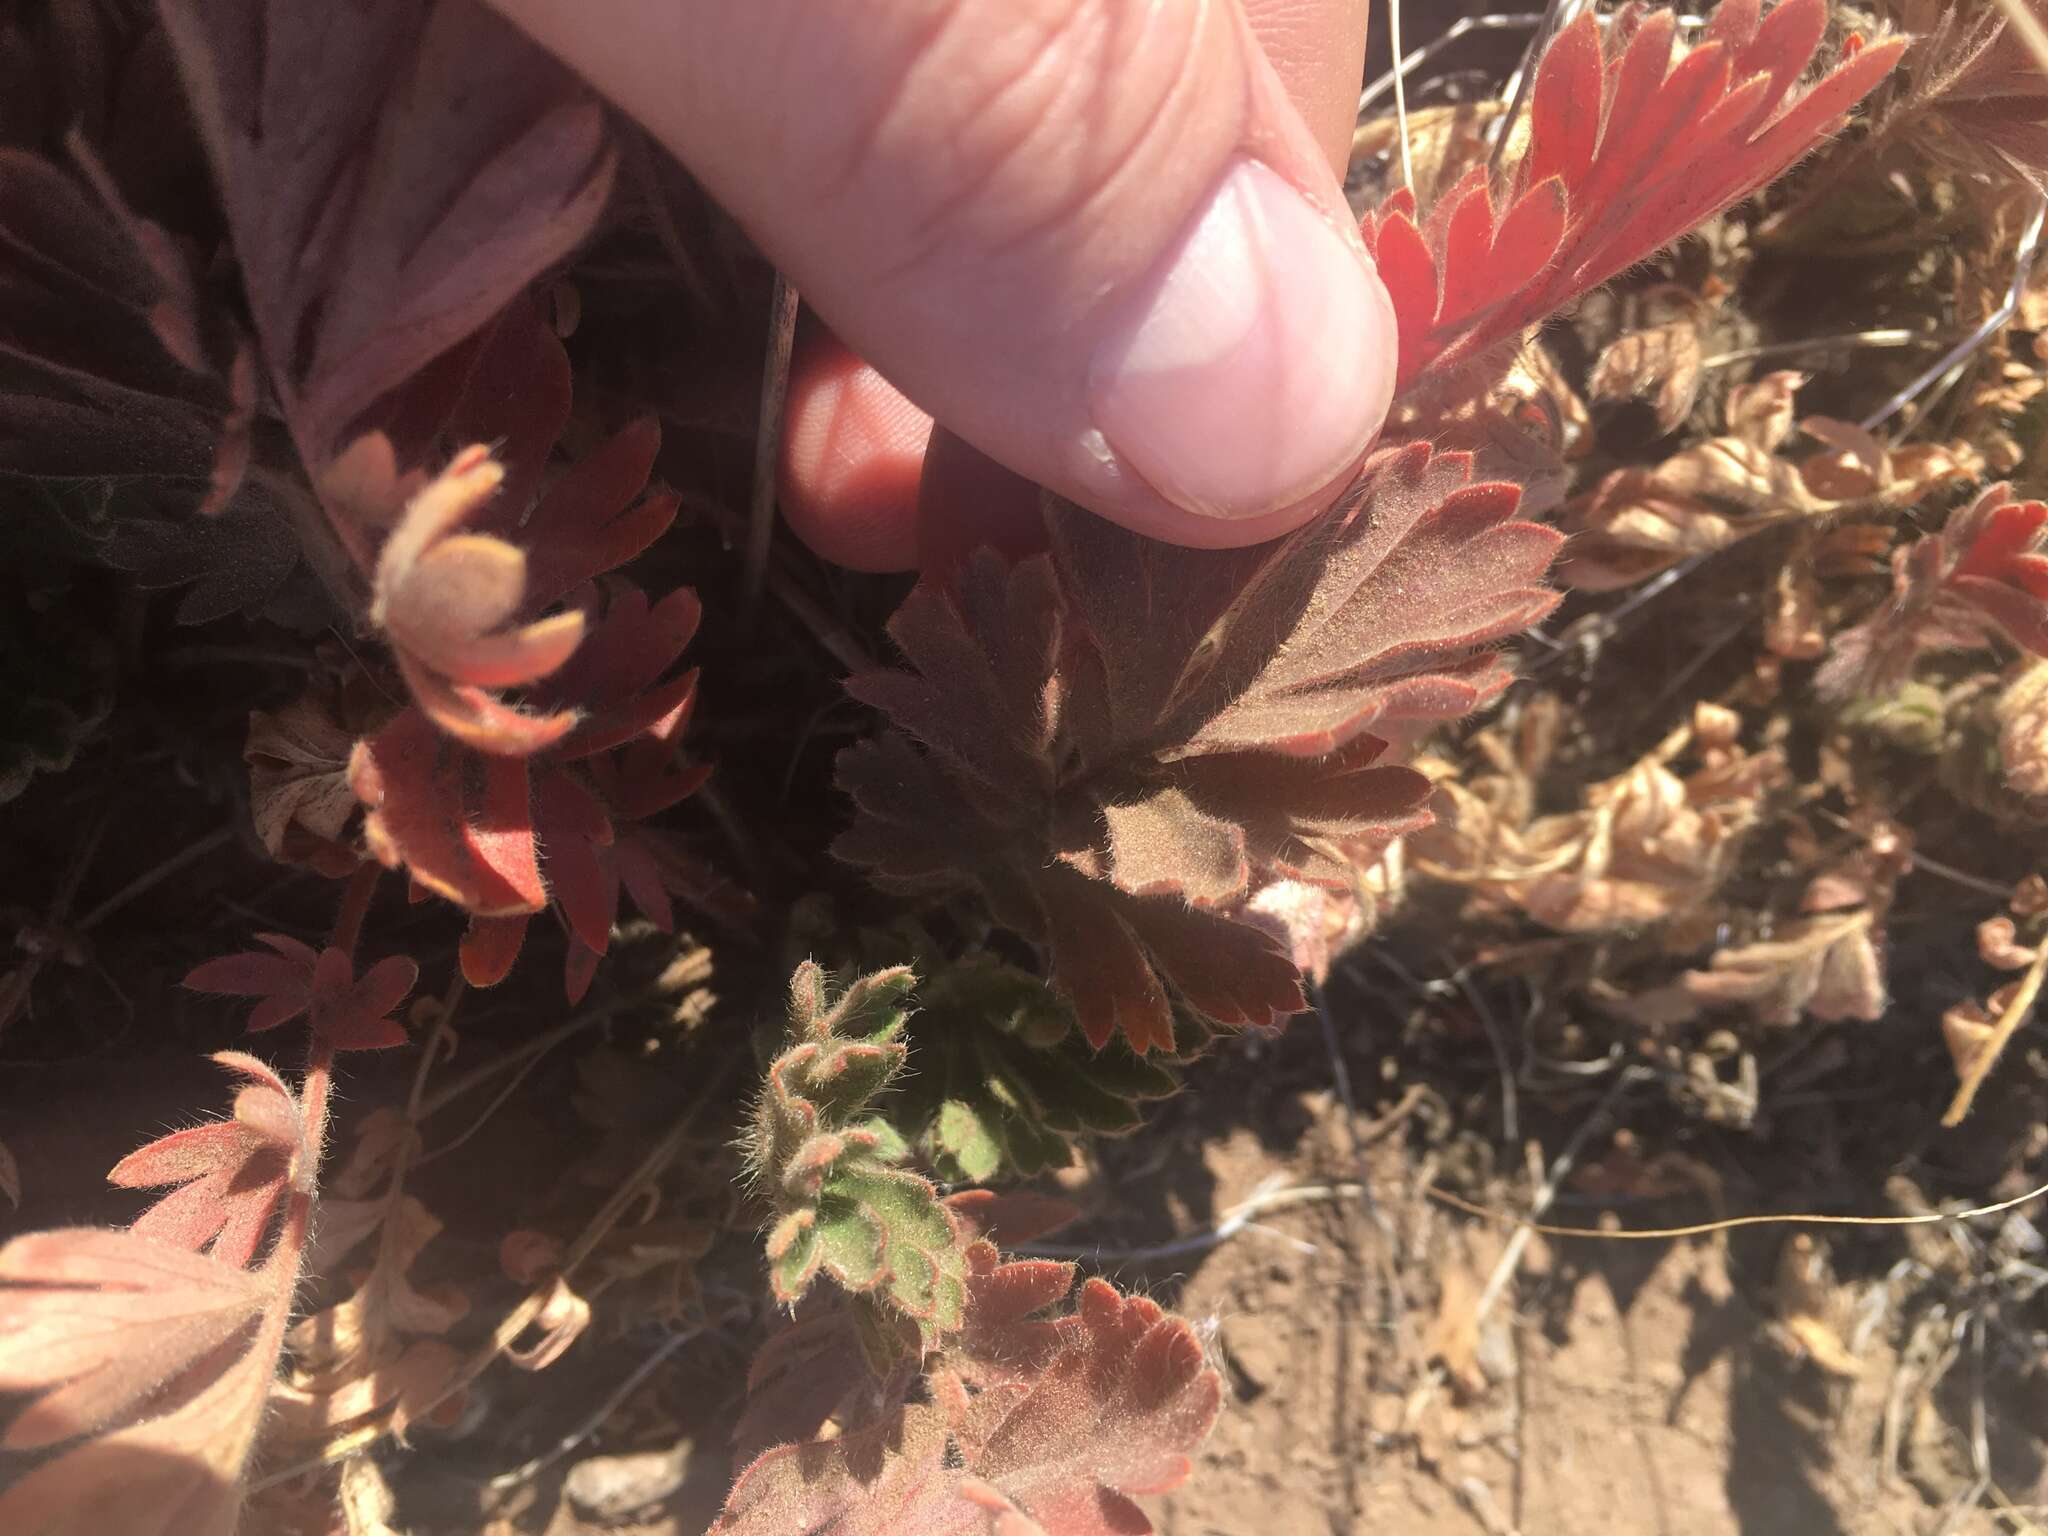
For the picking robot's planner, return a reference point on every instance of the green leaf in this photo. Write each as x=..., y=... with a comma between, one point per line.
x=1005, y=1083
x=966, y=1137
x=851, y=1238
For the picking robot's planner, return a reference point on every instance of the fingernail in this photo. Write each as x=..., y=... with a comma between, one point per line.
x=1258, y=363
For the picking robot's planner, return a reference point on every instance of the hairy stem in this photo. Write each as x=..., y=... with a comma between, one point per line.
x=355, y=904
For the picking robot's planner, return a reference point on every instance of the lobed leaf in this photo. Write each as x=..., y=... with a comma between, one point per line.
x=146, y=1368
x=1119, y=742
x=118, y=369
x=1004, y=1081
x=383, y=209
x=462, y=824
x=96, y=1322
x=1985, y=574
x=347, y=1011
x=1627, y=151
x=1055, y=1421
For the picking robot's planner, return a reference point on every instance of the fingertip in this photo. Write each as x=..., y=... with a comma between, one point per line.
x=1256, y=364
x=852, y=457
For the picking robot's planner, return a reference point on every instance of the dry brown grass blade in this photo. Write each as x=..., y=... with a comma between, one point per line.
x=768, y=435
x=2028, y=26
x=1986, y=1056
x=1729, y=1223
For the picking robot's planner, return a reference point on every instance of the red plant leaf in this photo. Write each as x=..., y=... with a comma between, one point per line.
x=1627, y=153
x=1984, y=574
x=499, y=834
x=579, y=970
x=1013, y=1216
x=490, y=949
x=462, y=823
x=1099, y=737
x=348, y=1012
x=515, y=394
x=283, y=980
x=1057, y=1421
x=618, y=680
x=588, y=522
x=352, y=1013
x=576, y=832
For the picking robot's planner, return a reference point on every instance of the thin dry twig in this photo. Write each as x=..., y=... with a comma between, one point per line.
x=768, y=435
x=16, y=984
x=1400, y=95
x=1560, y=1168
x=520, y=1318
x=1730, y=1223
x=1556, y=15
x=528, y=1050
x=2009, y=1022
x=1464, y=26
x=834, y=638
x=1954, y=359
x=2024, y=22
x=151, y=878
x=527, y=1470
x=1268, y=1197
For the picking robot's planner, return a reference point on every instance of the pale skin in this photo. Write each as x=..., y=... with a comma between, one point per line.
x=1096, y=245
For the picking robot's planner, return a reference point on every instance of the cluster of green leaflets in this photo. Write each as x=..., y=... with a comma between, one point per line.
x=980, y=1076
x=832, y=1170
x=1001, y=1081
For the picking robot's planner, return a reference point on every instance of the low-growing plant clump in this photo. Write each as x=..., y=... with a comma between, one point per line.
x=861, y=910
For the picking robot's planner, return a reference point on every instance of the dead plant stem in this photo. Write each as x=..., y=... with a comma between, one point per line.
x=149, y=879
x=1958, y=355
x=527, y=1470
x=768, y=436
x=1400, y=95
x=2008, y=1025
x=539, y=1045
x=1560, y=1168
x=2024, y=22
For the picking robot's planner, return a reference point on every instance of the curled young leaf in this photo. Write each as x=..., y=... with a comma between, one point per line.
x=448, y=602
